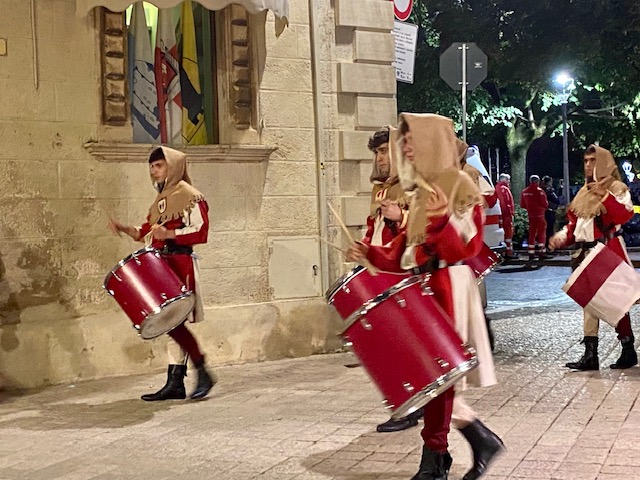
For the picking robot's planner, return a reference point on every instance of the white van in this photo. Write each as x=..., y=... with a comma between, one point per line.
x=493, y=231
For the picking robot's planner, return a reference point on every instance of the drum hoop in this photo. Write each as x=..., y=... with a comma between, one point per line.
x=489, y=269
x=159, y=308
x=434, y=389
x=122, y=263
x=343, y=280
x=382, y=297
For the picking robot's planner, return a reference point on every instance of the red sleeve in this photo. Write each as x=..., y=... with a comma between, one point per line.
x=450, y=245
x=387, y=257
x=369, y=234
x=196, y=229
x=491, y=199
x=523, y=203
x=511, y=202
x=144, y=229
x=617, y=213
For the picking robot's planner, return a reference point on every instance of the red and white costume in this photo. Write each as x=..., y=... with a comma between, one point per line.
x=448, y=238
x=180, y=208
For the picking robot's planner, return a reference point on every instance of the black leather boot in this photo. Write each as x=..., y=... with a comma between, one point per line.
x=589, y=360
x=628, y=357
x=173, y=389
x=486, y=447
x=205, y=383
x=433, y=466
x=409, y=421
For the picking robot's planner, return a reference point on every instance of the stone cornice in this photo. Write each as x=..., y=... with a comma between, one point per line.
x=139, y=152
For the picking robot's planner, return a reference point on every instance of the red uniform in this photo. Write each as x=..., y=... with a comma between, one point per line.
x=534, y=201
x=507, y=206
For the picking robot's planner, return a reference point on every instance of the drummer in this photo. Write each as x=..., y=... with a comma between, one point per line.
x=387, y=218
x=444, y=227
x=595, y=215
x=177, y=220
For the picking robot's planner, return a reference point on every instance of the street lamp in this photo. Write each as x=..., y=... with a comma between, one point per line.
x=566, y=82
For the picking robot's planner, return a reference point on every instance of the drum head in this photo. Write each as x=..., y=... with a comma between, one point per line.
x=172, y=314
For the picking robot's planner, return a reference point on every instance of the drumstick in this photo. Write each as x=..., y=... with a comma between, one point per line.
x=341, y=223
x=337, y=247
x=365, y=262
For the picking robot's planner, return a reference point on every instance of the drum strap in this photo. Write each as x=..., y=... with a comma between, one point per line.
x=428, y=267
x=176, y=249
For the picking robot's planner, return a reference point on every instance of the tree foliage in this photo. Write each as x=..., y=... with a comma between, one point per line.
x=528, y=43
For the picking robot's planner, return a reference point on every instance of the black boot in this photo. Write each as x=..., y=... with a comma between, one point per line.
x=173, y=389
x=205, y=383
x=486, y=447
x=589, y=360
x=628, y=357
x=433, y=466
x=409, y=421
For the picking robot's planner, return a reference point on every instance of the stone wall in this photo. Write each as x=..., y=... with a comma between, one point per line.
x=56, y=322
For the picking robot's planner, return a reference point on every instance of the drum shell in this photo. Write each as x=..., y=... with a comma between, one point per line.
x=410, y=349
x=143, y=284
x=357, y=287
x=483, y=263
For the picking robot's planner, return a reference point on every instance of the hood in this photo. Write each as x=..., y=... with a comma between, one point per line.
x=176, y=167
x=436, y=147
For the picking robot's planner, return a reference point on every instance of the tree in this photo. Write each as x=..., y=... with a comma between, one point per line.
x=527, y=43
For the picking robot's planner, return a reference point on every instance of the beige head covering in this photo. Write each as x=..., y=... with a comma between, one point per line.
x=439, y=183
x=588, y=204
x=178, y=194
x=391, y=184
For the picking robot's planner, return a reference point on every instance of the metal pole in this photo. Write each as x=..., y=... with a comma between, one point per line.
x=464, y=91
x=565, y=154
x=489, y=160
x=497, y=164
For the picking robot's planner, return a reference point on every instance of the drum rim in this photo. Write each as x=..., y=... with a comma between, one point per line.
x=343, y=280
x=159, y=308
x=384, y=296
x=122, y=263
x=434, y=389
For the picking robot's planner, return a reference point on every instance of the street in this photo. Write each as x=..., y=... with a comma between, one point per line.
x=314, y=418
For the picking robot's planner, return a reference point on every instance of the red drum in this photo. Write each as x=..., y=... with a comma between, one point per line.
x=357, y=287
x=149, y=292
x=408, y=346
x=483, y=263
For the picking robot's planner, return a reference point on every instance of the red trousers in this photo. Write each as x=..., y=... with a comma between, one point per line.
x=537, y=232
x=507, y=225
x=437, y=413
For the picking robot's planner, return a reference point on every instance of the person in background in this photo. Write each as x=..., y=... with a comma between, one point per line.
x=507, y=205
x=534, y=201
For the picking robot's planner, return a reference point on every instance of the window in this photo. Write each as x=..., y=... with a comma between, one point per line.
x=174, y=73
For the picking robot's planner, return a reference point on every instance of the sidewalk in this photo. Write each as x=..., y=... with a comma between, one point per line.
x=314, y=419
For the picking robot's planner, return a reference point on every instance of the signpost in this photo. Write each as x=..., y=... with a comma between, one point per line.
x=406, y=37
x=463, y=64
x=402, y=9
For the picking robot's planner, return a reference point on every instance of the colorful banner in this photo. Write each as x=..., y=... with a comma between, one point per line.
x=193, y=127
x=145, y=118
x=167, y=72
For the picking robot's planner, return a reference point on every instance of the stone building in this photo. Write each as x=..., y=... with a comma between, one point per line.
x=294, y=113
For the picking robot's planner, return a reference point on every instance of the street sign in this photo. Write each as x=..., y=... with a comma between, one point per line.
x=406, y=37
x=402, y=9
x=451, y=65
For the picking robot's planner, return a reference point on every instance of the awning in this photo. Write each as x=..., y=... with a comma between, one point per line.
x=279, y=7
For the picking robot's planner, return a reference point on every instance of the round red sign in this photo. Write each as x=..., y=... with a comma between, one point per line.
x=402, y=9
